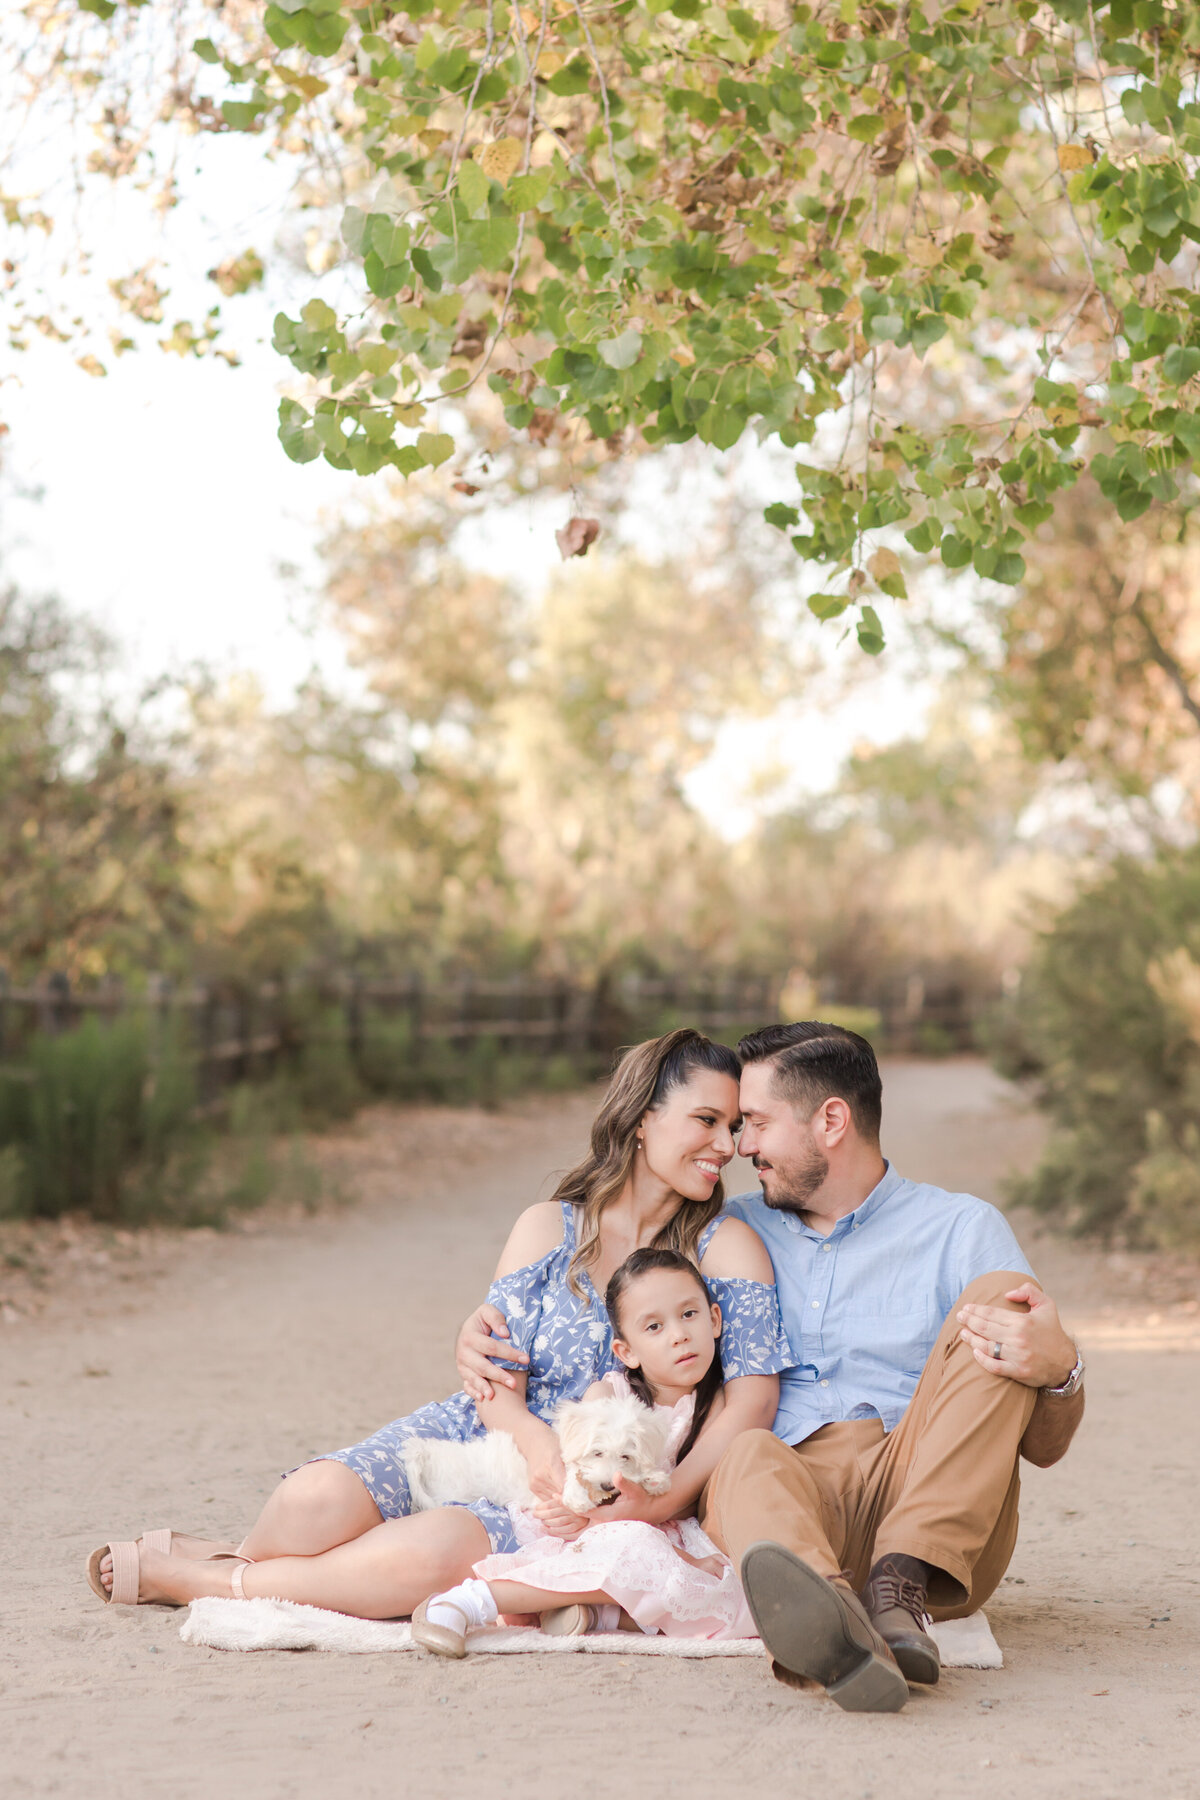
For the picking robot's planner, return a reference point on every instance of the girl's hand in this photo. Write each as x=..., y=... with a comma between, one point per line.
x=559, y=1521
x=632, y=1502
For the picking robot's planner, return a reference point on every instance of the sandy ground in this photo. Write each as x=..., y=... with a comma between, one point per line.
x=164, y=1380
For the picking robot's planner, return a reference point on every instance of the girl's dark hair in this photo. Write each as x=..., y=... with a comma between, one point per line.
x=709, y=1385
x=642, y=1080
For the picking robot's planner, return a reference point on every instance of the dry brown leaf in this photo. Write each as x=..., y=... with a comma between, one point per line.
x=939, y=125
x=884, y=564
x=549, y=63
x=1074, y=156
x=576, y=536
x=501, y=159
x=464, y=487
x=684, y=355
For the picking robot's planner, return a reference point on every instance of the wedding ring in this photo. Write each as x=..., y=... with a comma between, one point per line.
x=996, y=1352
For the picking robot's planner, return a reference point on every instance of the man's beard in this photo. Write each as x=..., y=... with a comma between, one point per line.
x=796, y=1184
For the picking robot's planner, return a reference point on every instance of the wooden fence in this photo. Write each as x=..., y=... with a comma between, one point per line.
x=241, y=1033
x=244, y=1033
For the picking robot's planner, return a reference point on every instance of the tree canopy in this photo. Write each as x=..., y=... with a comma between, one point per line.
x=945, y=252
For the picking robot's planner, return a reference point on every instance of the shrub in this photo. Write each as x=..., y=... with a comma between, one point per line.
x=1107, y=1023
x=96, y=1117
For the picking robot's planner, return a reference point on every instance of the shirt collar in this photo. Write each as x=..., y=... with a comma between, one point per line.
x=883, y=1190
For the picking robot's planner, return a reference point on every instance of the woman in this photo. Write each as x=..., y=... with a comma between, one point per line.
x=339, y=1531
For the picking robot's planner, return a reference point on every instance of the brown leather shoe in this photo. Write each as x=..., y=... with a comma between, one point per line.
x=818, y=1629
x=898, y=1610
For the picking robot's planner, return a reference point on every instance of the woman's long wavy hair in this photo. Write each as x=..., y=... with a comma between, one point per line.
x=641, y=1082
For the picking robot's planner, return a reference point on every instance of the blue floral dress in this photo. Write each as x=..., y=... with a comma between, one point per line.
x=569, y=1344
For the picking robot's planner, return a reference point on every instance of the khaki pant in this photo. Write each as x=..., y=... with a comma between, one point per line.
x=942, y=1486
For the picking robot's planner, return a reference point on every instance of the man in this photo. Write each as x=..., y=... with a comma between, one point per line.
x=928, y=1362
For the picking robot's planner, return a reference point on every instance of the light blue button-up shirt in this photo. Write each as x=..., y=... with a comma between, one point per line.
x=863, y=1306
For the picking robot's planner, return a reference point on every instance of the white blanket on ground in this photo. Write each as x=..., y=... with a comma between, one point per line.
x=284, y=1625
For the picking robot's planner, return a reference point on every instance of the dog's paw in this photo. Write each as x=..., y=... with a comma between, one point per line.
x=656, y=1484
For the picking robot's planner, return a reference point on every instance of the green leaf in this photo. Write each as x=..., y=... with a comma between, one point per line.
x=865, y=127
x=1180, y=364
x=435, y=447
x=956, y=551
x=377, y=359
x=354, y=230
x=407, y=459
x=318, y=315
x=206, y=50
x=781, y=516
x=869, y=632
x=473, y=185
x=1010, y=568
x=382, y=280
x=524, y=192
x=388, y=240
x=923, y=537
x=827, y=606
x=621, y=352
x=575, y=78
x=300, y=442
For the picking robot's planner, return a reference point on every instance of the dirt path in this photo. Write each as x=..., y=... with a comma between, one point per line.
x=171, y=1380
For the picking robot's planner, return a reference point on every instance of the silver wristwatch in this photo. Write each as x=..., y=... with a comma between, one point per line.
x=1074, y=1380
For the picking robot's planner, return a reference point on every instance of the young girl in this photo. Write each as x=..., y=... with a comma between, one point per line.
x=670, y=1578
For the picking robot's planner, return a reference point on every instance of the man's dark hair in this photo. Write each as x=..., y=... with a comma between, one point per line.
x=813, y=1062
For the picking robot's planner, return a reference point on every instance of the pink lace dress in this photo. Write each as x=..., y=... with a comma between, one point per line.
x=637, y=1565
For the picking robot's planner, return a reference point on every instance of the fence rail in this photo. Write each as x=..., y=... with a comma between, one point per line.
x=239, y=1033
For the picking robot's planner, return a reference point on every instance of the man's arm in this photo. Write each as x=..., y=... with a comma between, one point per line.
x=1036, y=1351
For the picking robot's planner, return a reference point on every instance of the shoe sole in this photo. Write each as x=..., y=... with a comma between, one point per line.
x=918, y=1663
x=804, y=1625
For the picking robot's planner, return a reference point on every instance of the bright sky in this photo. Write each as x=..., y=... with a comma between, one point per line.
x=168, y=511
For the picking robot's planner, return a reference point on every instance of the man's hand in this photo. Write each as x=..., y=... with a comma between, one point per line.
x=1034, y=1348
x=475, y=1348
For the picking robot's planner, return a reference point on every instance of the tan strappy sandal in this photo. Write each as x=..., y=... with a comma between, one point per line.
x=126, y=1558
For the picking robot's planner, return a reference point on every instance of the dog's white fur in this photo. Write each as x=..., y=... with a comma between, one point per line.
x=599, y=1439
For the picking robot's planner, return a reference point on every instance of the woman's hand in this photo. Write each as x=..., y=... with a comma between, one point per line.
x=476, y=1346
x=547, y=1475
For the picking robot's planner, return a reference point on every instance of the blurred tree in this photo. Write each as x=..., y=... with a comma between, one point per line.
x=1107, y=1022
x=91, y=867
x=1100, y=651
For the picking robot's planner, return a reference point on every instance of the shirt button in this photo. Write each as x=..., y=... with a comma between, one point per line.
x=824, y=1384
x=827, y=1248
x=816, y=1303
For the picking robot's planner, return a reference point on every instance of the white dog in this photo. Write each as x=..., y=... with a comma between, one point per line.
x=599, y=1439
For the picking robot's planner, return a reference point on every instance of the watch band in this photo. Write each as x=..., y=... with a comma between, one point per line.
x=1074, y=1380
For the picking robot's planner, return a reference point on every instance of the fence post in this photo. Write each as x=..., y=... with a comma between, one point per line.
x=208, y=1020
x=56, y=1003
x=355, y=1023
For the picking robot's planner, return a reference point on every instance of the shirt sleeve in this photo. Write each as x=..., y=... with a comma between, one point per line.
x=986, y=1241
x=519, y=1297
x=753, y=1341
